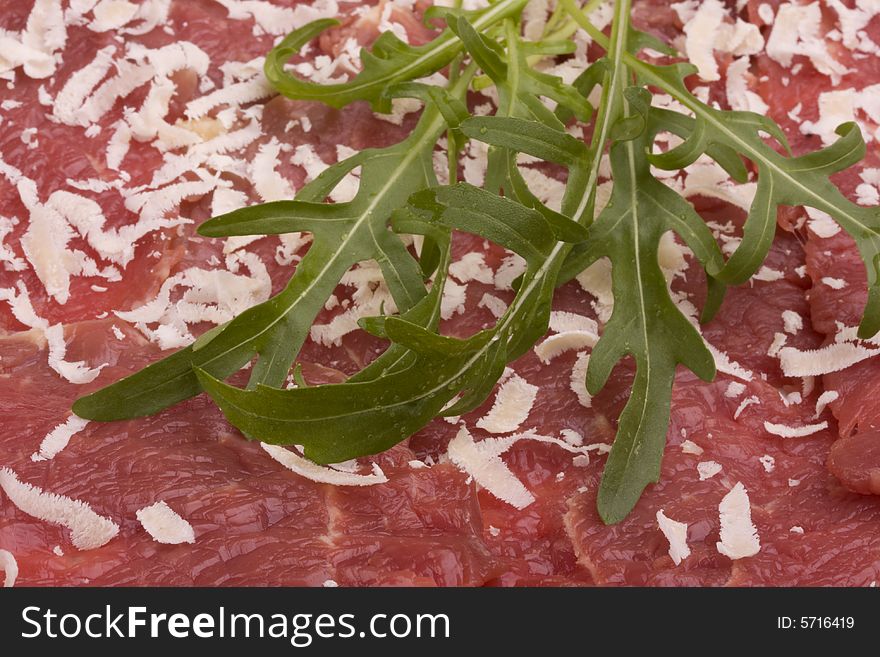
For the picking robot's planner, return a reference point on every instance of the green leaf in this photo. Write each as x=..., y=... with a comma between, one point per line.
x=421, y=373
x=645, y=323
x=390, y=61
x=274, y=331
x=782, y=179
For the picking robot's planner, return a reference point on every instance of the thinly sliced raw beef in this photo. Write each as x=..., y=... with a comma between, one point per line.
x=254, y=521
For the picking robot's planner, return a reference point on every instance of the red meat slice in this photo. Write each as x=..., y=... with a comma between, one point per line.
x=257, y=523
x=805, y=520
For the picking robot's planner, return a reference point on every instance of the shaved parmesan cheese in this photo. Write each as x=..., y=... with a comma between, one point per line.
x=272, y=19
x=833, y=283
x=548, y=190
x=512, y=406
x=744, y=405
x=153, y=204
x=561, y=321
x=34, y=48
x=676, y=533
x=821, y=223
x=235, y=95
x=45, y=244
x=10, y=568
x=786, y=431
x=509, y=270
x=734, y=389
x=164, y=525
x=739, y=95
x=708, y=469
x=824, y=399
x=453, y=300
x=835, y=107
x=830, y=358
x=768, y=462
x=322, y=474
x=214, y=295
x=690, y=447
x=562, y=342
x=11, y=262
x=88, y=529
x=797, y=30
x=57, y=439
x=768, y=275
x=706, y=178
x=726, y=366
x=779, y=340
x=117, y=147
x=596, y=280
x=20, y=305
x=578, y=379
x=739, y=536
x=572, y=437
x=112, y=14
x=493, y=304
x=472, y=267
x=74, y=371
x=270, y=185
x=706, y=30
x=482, y=462
x=792, y=321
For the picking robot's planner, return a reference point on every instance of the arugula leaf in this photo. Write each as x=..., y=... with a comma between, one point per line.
x=343, y=234
x=368, y=414
x=782, y=180
x=390, y=61
x=342, y=421
x=423, y=374
x=645, y=322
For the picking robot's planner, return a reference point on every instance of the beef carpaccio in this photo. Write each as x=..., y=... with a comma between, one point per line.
x=124, y=125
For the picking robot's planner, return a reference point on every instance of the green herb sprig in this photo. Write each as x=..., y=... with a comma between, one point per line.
x=392, y=398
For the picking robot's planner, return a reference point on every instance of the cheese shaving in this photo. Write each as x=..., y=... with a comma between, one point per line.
x=797, y=30
x=578, y=379
x=508, y=271
x=512, y=406
x=472, y=267
x=10, y=568
x=767, y=462
x=785, y=431
x=88, y=529
x=493, y=304
x=112, y=14
x=562, y=342
x=690, y=447
x=707, y=30
x=164, y=525
x=708, y=469
x=830, y=358
x=744, y=405
x=676, y=533
x=562, y=321
x=58, y=438
x=739, y=536
x=482, y=461
x=792, y=321
x=322, y=474
x=822, y=224
x=824, y=399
